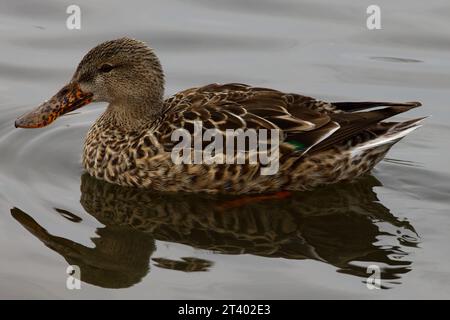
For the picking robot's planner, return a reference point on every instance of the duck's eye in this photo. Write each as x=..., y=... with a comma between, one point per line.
x=106, y=67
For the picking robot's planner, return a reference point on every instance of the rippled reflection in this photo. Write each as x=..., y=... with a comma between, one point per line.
x=343, y=225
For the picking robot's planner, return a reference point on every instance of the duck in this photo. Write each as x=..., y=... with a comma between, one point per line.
x=132, y=142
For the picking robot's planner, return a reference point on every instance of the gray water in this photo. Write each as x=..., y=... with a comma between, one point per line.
x=314, y=244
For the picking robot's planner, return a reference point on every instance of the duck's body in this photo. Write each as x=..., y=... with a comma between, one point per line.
x=131, y=143
x=142, y=158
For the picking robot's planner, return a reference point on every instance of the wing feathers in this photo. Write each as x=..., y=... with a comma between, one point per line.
x=306, y=124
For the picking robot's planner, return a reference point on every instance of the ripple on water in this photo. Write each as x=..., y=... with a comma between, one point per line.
x=396, y=59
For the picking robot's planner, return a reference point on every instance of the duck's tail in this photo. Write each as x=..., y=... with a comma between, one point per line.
x=357, y=106
x=351, y=124
x=390, y=133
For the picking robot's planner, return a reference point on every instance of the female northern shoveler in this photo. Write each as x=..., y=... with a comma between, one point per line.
x=130, y=144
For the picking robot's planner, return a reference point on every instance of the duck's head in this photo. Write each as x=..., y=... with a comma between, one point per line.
x=124, y=72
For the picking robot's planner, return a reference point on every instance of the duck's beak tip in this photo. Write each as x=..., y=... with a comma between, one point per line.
x=31, y=120
x=21, y=123
x=67, y=99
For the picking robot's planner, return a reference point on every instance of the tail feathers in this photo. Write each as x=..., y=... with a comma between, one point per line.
x=352, y=123
x=356, y=106
x=394, y=134
x=402, y=126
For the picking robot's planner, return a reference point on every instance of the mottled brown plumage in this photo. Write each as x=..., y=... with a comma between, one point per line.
x=130, y=144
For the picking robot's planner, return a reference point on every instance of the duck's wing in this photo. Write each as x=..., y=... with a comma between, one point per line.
x=305, y=123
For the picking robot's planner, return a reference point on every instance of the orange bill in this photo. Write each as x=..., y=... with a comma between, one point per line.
x=69, y=98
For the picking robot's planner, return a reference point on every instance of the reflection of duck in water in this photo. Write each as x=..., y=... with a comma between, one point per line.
x=340, y=225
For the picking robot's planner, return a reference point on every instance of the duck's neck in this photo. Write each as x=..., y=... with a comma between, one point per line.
x=133, y=114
